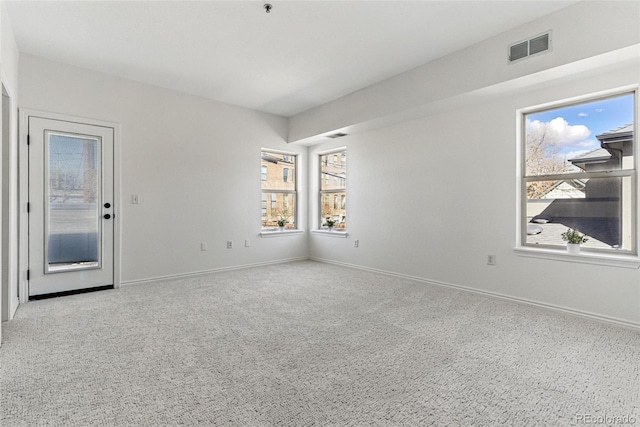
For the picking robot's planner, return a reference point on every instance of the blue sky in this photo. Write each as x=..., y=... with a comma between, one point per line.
x=599, y=116
x=577, y=126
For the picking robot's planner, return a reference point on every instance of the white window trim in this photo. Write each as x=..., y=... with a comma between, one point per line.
x=327, y=233
x=296, y=175
x=624, y=260
x=317, y=228
x=609, y=260
x=278, y=233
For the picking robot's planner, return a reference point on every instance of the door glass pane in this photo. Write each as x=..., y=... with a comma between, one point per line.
x=73, y=197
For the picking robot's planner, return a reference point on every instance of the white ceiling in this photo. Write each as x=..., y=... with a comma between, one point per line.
x=302, y=54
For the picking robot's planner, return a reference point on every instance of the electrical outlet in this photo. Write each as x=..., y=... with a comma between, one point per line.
x=135, y=199
x=491, y=260
x=229, y=244
x=356, y=243
x=203, y=246
x=247, y=243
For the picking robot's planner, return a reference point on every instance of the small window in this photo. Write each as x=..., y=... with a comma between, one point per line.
x=278, y=195
x=578, y=171
x=333, y=189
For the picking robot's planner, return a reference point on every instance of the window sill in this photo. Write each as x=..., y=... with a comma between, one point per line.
x=611, y=260
x=278, y=233
x=328, y=233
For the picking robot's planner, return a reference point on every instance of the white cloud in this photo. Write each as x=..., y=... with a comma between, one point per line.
x=599, y=110
x=561, y=131
x=583, y=114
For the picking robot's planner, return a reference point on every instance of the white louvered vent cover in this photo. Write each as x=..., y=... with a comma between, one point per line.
x=537, y=44
x=336, y=135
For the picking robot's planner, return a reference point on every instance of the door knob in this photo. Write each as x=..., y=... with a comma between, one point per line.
x=107, y=216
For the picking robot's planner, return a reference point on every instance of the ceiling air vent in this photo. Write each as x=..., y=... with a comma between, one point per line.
x=519, y=51
x=537, y=44
x=337, y=135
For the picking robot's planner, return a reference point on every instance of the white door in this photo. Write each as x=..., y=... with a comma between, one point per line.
x=71, y=219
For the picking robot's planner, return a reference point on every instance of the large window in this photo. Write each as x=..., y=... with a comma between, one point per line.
x=333, y=189
x=579, y=172
x=279, y=189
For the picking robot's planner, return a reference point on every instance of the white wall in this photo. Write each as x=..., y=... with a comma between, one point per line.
x=432, y=162
x=2, y=288
x=581, y=34
x=448, y=173
x=431, y=198
x=9, y=77
x=195, y=164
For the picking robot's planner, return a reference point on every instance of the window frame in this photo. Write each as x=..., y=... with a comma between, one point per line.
x=294, y=175
x=340, y=154
x=619, y=257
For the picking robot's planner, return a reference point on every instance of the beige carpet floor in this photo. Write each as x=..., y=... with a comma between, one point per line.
x=309, y=344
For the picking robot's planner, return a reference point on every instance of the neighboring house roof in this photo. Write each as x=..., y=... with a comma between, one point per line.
x=623, y=132
x=567, y=189
x=607, y=151
x=598, y=154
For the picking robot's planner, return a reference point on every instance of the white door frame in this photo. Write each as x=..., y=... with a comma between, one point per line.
x=10, y=239
x=23, y=217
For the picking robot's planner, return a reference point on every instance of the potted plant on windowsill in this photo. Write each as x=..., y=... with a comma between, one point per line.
x=283, y=216
x=330, y=223
x=574, y=239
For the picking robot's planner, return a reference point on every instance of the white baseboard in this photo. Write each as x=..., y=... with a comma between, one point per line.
x=566, y=310
x=214, y=270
